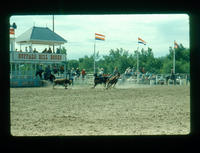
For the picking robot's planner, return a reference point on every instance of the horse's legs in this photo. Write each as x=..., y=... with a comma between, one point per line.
x=108, y=85
x=114, y=84
x=65, y=85
x=40, y=75
x=167, y=81
x=174, y=81
x=94, y=85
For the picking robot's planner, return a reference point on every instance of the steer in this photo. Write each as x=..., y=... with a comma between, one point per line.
x=62, y=82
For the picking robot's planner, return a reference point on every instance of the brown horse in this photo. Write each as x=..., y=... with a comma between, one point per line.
x=112, y=81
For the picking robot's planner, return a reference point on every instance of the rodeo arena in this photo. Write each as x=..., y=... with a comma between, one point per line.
x=135, y=104
x=30, y=68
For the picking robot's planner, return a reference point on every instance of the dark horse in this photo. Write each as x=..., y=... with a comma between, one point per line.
x=47, y=76
x=100, y=79
x=39, y=72
x=172, y=77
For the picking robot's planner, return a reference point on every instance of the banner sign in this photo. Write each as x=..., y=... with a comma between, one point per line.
x=23, y=56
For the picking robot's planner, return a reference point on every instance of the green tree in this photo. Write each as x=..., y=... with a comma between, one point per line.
x=182, y=60
x=63, y=50
x=86, y=63
x=72, y=64
x=117, y=58
x=122, y=59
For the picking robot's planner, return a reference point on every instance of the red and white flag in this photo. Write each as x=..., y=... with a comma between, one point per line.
x=99, y=36
x=141, y=41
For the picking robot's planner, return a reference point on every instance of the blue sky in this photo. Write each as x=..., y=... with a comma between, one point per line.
x=121, y=31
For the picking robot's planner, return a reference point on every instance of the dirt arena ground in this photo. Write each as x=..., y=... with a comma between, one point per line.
x=125, y=110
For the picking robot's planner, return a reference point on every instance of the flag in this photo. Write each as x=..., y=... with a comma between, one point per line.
x=12, y=31
x=99, y=36
x=175, y=44
x=141, y=41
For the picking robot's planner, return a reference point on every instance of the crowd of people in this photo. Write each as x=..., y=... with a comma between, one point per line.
x=131, y=73
x=30, y=50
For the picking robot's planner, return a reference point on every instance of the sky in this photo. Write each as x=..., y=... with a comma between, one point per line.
x=121, y=31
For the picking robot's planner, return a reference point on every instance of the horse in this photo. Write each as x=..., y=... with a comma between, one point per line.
x=171, y=77
x=113, y=80
x=39, y=72
x=100, y=79
x=48, y=76
x=51, y=78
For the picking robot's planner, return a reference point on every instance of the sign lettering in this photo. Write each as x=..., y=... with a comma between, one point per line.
x=36, y=56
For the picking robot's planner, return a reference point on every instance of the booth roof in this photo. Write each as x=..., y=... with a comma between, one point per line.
x=40, y=35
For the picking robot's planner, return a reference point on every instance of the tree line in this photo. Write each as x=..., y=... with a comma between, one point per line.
x=122, y=59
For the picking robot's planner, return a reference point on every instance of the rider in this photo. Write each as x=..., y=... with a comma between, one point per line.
x=39, y=71
x=101, y=72
x=173, y=77
x=47, y=72
x=115, y=72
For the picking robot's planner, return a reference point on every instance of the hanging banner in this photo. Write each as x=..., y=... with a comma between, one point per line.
x=23, y=56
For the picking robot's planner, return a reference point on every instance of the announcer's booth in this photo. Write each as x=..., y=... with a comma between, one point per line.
x=25, y=62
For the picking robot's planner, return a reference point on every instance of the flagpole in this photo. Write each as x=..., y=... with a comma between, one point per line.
x=53, y=31
x=94, y=54
x=174, y=62
x=138, y=64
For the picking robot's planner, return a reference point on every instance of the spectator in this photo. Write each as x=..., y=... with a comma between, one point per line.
x=143, y=70
x=57, y=51
x=26, y=50
x=30, y=49
x=45, y=50
x=83, y=74
x=49, y=51
x=77, y=72
x=73, y=72
x=35, y=51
